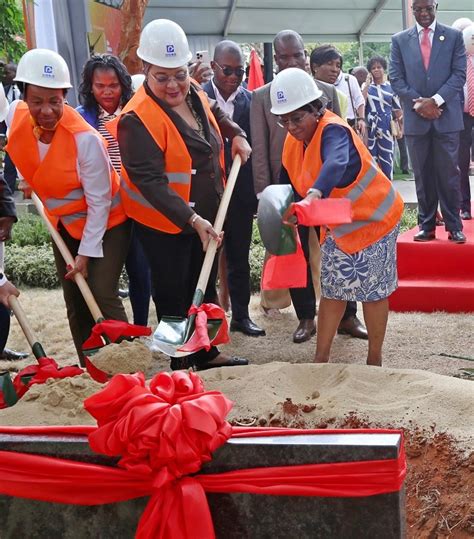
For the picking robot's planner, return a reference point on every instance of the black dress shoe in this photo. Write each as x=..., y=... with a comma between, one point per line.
x=180, y=363
x=232, y=361
x=305, y=330
x=12, y=355
x=247, y=327
x=466, y=215
x=457, y=237
x=354, y=327
x=424, y=235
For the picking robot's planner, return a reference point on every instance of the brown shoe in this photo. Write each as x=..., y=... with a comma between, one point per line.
x=353, y=326
x=305, y=330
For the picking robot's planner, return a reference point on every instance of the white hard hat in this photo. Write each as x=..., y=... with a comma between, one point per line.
x=43, y=67
x=163, y=43
x=468, y=36
x=460, y=24
x=137, y=81
x=291, y=89
x=4, y=105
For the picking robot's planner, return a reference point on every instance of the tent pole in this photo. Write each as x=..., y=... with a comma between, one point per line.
x=407, y=15
x=361, y=51
x=268, y=62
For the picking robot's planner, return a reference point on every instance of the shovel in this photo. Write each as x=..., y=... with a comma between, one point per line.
x=46, y=367
x=105, y=331
x=173, y=332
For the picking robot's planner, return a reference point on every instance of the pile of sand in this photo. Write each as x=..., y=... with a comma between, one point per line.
x=325, y=395
x=126, y=357
x=56, y=402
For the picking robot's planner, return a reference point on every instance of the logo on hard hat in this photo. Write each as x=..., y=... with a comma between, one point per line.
x=170, y=50
x=281, y=97
x=48, y=71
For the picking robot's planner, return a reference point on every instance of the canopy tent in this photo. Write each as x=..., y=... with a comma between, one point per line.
x=247, y=21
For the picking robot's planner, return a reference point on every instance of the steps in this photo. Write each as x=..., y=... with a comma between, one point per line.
x=435, y=276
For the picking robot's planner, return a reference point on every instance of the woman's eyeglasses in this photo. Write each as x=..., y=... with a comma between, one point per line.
x=228, y=71
x=165, y=79
x=296, y=119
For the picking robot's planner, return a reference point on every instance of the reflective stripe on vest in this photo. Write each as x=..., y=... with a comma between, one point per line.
x=56, y=203
x=72, y=217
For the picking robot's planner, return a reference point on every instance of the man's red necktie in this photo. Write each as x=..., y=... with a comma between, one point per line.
x=426, y=47
x=470, y=86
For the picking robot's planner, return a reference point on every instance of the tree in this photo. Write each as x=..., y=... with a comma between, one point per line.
x=12, y=31
x=132, y=17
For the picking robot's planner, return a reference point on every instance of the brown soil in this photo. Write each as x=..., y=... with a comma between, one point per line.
x=440, y=477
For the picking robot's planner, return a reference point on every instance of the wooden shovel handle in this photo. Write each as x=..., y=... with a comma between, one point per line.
x=218, y=225
x=66, y=254
x=22, y=320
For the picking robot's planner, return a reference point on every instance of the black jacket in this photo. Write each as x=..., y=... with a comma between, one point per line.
x=7, y=204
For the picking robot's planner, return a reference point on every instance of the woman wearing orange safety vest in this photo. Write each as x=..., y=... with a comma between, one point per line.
x=323, y=157
x=64, y=160
x=172, y=174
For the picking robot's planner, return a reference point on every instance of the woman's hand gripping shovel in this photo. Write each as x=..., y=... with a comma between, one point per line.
x=46, y=367
x=105, y=331
x=206, y=323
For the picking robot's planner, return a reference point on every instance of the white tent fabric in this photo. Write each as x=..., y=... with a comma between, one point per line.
x=316, y=20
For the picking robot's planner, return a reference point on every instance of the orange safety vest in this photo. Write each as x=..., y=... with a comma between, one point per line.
x=376, y=206
x=178, y=162
x=55, y=179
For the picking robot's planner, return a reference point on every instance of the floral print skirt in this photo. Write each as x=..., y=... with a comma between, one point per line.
x=368, y=275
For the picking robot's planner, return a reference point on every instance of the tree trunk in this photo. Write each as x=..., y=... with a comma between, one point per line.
x=133, y=12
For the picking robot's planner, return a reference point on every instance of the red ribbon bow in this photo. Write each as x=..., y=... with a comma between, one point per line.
x=46, y=368
x=200, y=337
x=165, y=431
x=113, y=330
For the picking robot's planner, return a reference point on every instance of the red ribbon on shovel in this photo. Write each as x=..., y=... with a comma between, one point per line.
x=200, y=337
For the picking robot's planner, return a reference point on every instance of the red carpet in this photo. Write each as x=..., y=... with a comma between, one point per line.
x=435, y=276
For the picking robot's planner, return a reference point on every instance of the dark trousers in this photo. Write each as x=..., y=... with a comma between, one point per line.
x=175, y=263
x=9, y=173
x=139, y=280
x=465, y=143
x=434, y=157
x=304, y=299
x=103, y=277
x=237, y=239
x=4, y=326
x=402, y=146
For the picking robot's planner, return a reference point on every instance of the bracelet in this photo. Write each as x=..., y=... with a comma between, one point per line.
x=194, y=218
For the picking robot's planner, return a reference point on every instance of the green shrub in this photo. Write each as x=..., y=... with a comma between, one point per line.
x=409, y=219
x=257, y=255
x=31, y=265
x=30, y=230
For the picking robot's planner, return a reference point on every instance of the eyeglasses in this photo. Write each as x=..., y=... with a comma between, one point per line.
x=296, y=119
x=163, y=80
x=228, y=71
x=428, y=9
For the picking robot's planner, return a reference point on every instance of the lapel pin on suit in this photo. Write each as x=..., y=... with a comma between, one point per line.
x=441, y=38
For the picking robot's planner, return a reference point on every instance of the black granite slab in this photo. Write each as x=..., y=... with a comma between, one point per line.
x=234, y=515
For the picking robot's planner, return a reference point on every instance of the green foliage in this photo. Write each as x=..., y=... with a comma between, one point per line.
x=350, y=52
x=31, y=265
x=256, y=257
x=30, y=230
x=409, y=219
x=12, y=30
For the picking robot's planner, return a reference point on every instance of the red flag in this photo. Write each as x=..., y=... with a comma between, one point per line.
x=255, y=73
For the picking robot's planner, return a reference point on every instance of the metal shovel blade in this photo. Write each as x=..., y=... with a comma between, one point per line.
x=173, y=332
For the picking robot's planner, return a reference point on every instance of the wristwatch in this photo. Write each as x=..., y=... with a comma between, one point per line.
x=313, y=190
x=3, y=279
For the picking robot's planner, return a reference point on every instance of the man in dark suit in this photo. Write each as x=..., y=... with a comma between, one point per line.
x=226, y=88
x=7, y=218
x=427, y=72
x=267, y=146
